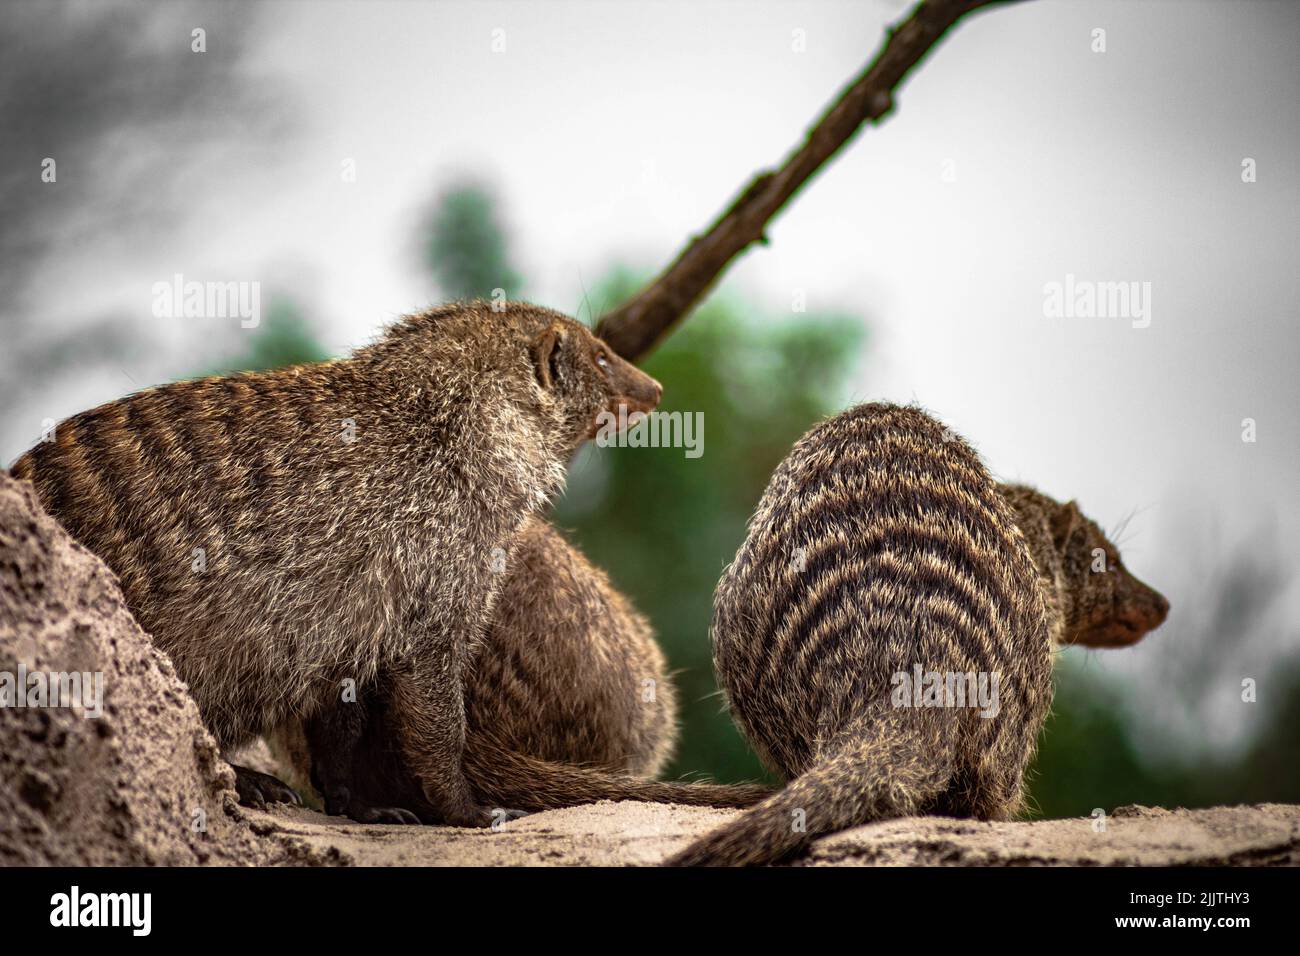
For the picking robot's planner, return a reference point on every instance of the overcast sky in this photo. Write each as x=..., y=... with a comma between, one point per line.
x=614, y=130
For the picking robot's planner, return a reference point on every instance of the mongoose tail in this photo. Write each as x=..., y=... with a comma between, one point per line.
x=508, y=778
x=879, y=775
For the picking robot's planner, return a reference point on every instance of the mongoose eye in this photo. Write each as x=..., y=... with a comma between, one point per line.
x=602, y=361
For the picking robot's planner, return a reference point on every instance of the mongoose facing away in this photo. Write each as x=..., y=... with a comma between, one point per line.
x=568, y=701
x=885, y=633
x=281, y=532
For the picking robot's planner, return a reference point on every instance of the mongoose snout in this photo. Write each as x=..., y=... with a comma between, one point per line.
x=631, y=386
x=1136, y=609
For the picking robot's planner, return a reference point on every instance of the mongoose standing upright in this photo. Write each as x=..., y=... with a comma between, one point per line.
x=885, y=633
x=568, y=702
x=280, y=532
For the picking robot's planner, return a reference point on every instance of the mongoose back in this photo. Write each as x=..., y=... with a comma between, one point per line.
x=885, y=633
x=280, y=532
x=568, y=702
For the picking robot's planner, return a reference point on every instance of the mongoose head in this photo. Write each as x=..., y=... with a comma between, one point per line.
x=583, y=379
x=1101, y=603
x=548, y=367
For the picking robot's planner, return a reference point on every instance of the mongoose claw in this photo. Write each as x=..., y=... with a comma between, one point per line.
x=503, y=815
x=365, y=813
x=471, y=816
x=257, y=789
x=339, y=802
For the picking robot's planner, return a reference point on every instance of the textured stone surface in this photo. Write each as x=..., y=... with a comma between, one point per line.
x=133, y=785
x=633, y=834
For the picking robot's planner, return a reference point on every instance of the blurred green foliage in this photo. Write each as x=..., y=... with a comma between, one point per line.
x=1088, y=755
x=284, y=337
x=465, y=247
x=1086, y=758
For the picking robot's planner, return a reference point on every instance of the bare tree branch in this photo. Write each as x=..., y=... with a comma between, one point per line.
x=636, y=327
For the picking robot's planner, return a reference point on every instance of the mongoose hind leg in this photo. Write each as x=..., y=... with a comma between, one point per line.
x=993, y=788
x=333, y=737
x=257, y=789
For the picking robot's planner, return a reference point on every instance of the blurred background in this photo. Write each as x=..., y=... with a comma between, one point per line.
x=363, y=160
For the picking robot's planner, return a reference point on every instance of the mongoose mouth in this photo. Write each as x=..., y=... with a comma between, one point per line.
x=1127, y=628
x=1114, y=634
x=640, y=401
x=637, y=405
x=619, y=417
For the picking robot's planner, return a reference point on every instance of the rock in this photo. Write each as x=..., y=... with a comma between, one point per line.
x=143, y=782
x=1219, y=836
x=638, y=834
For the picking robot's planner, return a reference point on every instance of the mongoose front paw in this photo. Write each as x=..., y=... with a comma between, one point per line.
x=257, y=789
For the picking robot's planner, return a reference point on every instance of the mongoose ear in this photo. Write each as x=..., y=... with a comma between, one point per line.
x=1063, y=522
x=546, y=356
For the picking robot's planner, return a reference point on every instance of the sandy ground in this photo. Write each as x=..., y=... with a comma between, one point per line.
x=144, y=784
x=632, y=834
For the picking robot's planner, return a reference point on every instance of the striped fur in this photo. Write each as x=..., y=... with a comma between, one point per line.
x=322, y=559
x=569, y=702
x=881, y=544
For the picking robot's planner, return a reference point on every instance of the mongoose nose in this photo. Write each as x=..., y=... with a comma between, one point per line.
x=657, y=389
x=1162, y=608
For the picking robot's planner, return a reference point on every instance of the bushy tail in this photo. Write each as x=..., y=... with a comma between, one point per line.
x=507, y=778
x=861, y=781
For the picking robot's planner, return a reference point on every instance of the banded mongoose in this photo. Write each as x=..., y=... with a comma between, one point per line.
x=568, y=702
x=885, y=574
x=279, y=532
